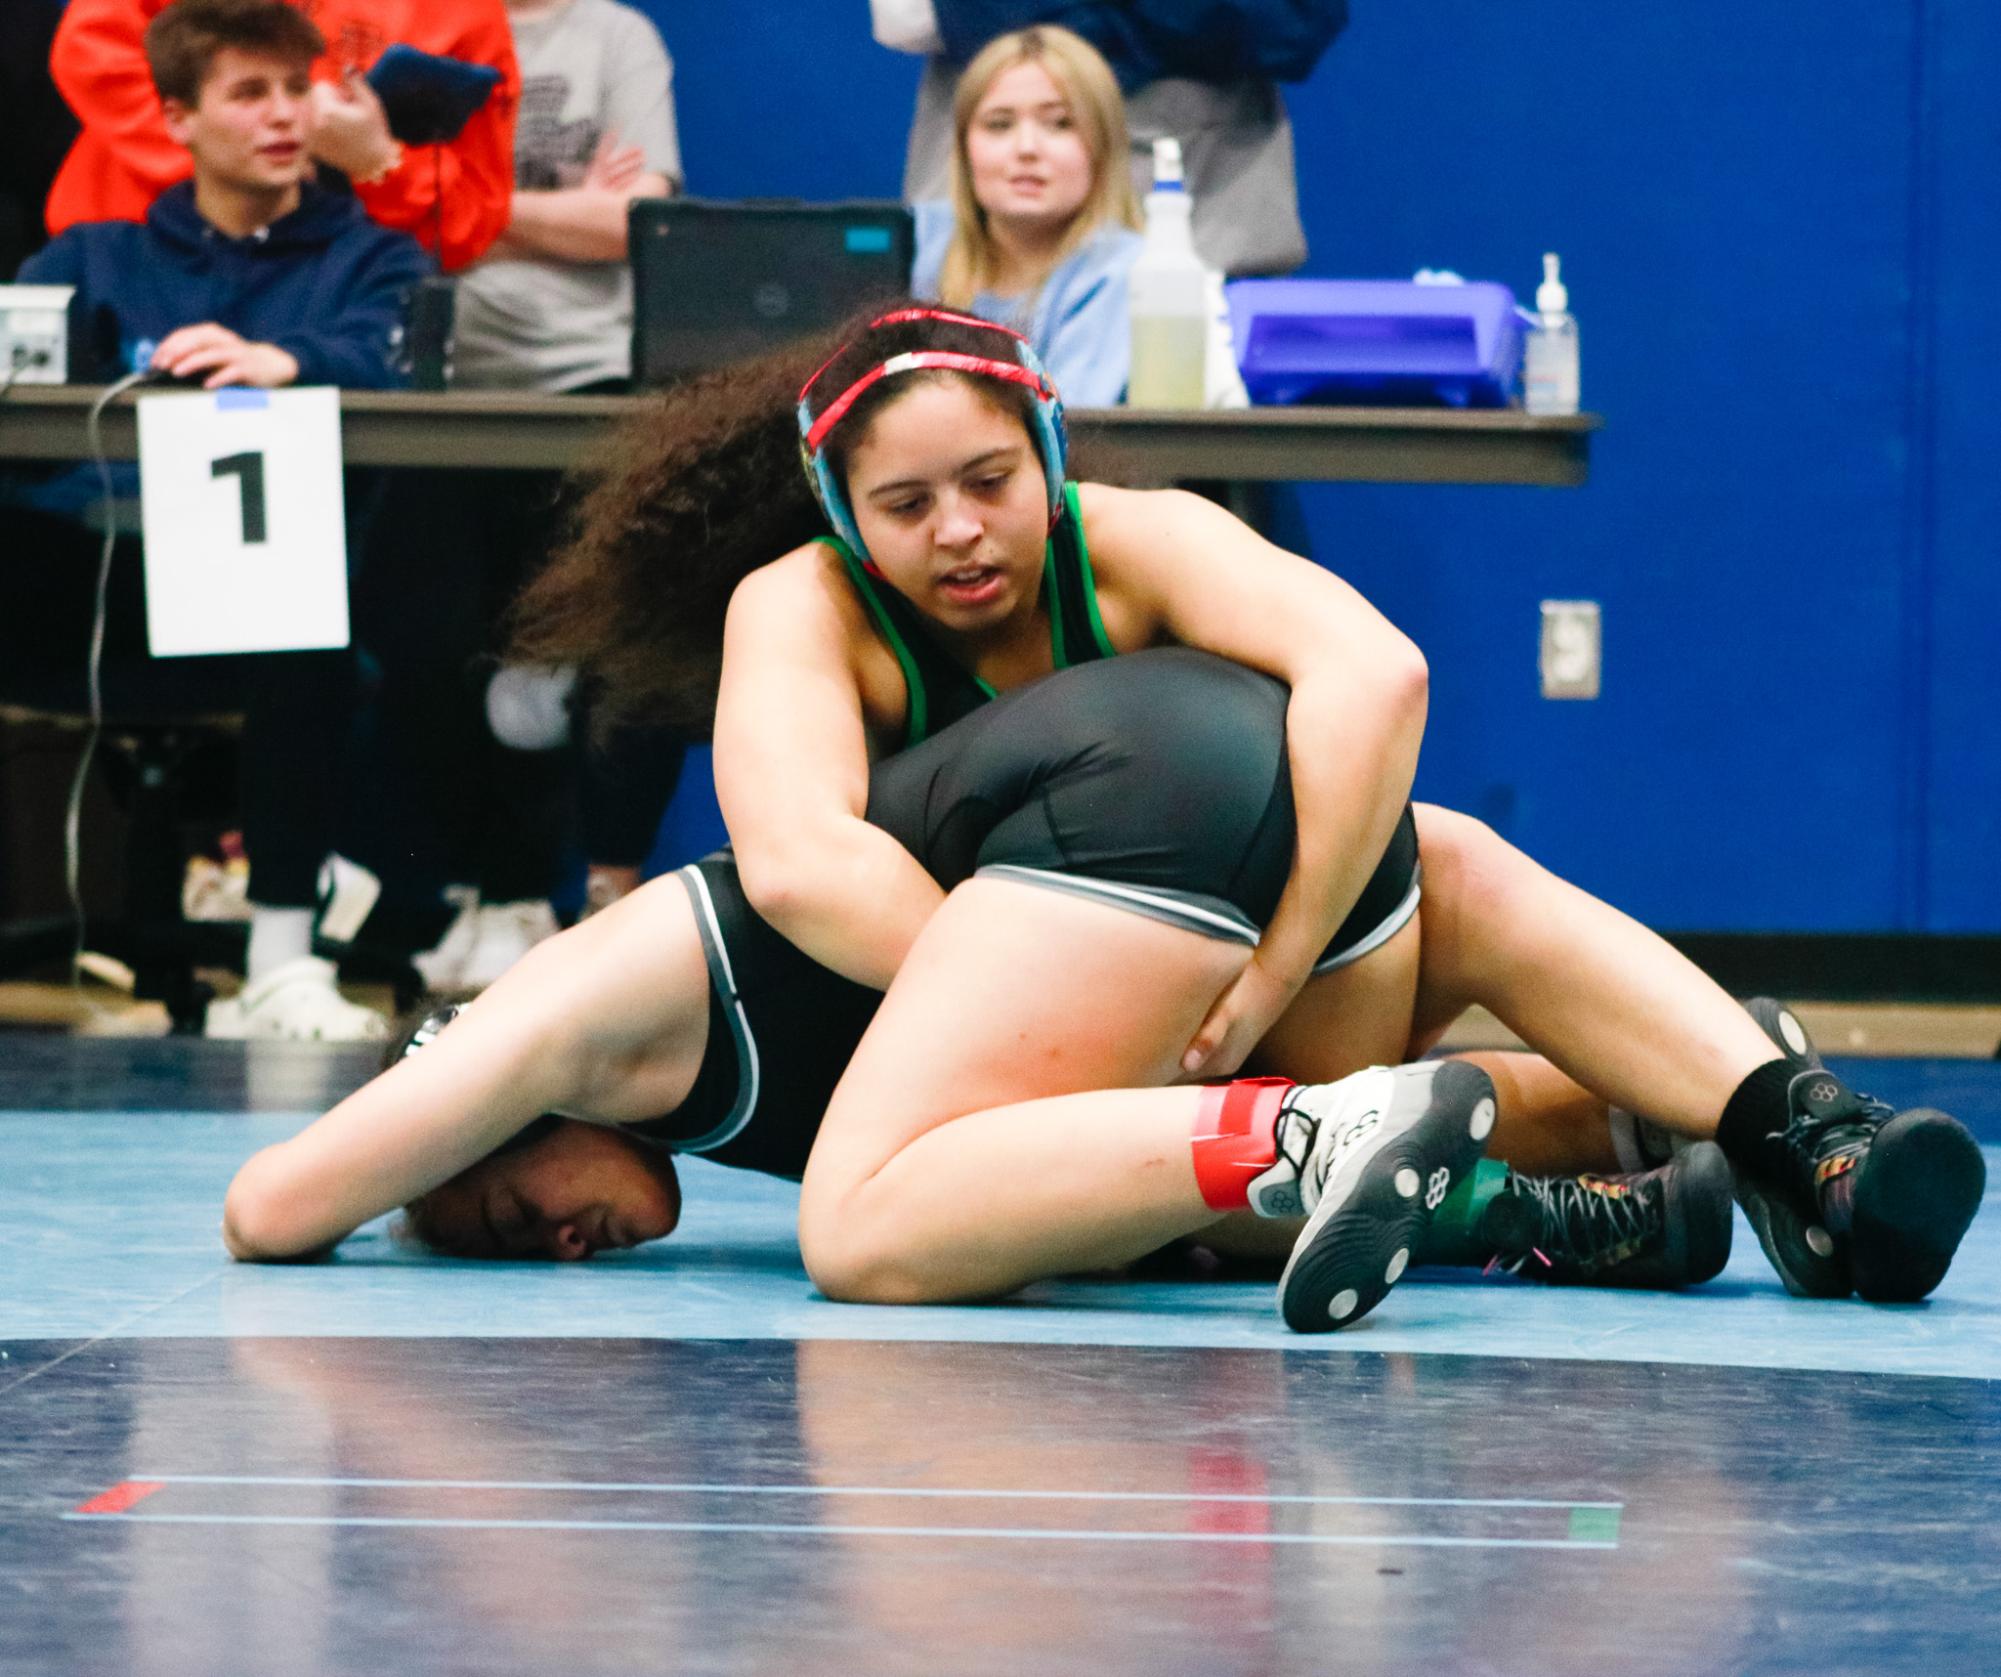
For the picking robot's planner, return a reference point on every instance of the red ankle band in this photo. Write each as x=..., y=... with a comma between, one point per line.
x=1235, y=1138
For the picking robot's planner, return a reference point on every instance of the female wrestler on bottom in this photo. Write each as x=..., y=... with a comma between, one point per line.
x=925, y=1196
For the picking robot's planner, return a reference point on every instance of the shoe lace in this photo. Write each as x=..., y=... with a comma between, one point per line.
x=1586, y=1222
x=1810, y=1139
x=1321, y=1162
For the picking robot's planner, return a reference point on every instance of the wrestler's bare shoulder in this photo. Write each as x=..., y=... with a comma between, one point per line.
x=808, y=584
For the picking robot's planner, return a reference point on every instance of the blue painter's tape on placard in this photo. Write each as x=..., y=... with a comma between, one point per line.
x=235, y=398
x=867, y=241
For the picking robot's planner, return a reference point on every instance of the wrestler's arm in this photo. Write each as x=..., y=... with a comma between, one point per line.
x=605, y=1021
x=792, y=762
x=1195, y=574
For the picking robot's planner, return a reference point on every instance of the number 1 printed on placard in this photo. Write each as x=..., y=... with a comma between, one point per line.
x=248, y=470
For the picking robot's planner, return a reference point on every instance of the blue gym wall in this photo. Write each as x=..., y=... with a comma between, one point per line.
x=1781, y=228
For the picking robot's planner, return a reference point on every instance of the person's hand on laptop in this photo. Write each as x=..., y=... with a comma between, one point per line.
x=226, y=358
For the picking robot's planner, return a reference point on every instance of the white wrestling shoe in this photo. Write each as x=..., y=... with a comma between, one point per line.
x=1377, y=1154
x=297, y=1002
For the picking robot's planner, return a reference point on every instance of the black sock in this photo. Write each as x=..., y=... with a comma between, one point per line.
x=1756, y=1110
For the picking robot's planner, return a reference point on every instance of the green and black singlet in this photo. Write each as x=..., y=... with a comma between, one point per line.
x=943, y=691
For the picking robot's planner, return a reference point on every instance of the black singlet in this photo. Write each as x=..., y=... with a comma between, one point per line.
x=782, y=1029
x=1157, y=782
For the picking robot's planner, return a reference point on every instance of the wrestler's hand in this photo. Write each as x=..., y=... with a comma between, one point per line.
x=1238, y=1022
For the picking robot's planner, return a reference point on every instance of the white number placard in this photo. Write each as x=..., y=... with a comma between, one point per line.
x=245, y=525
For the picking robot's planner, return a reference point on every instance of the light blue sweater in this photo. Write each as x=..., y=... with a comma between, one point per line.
x=1078, y=323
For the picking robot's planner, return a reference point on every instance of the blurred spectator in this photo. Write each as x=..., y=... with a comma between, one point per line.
x=1204, y=74
x=35, y=125
x=1040, y=233
x=549, y=308
x=249, y=274
x=452, y=197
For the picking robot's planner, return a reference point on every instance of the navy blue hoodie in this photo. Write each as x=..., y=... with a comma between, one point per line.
x=325, y=284
x=1144, y=40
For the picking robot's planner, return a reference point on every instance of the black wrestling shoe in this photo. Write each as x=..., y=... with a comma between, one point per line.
x=1853, y=1193
x=1386, y=1147
x=1894, y=1192
x=418, y=1032
x=1782, y=1025
x=1667, y=1227
x=1789, y=1225
x=1916, y=1195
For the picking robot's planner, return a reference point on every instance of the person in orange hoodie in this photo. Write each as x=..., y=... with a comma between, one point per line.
x=455, y=198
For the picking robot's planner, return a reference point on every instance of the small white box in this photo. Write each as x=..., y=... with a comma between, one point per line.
x=34, y=333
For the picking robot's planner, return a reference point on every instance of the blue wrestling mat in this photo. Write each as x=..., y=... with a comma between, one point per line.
x=680, y=1458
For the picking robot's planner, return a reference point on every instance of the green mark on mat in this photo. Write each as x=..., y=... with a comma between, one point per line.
x=1594, y=1525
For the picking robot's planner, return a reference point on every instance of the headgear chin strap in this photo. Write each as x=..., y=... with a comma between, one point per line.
x=1051, y=440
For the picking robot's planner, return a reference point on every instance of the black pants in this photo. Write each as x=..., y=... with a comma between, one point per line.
x=297, y=706
x=450, y=550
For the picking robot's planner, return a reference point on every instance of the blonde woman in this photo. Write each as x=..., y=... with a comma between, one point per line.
x=1042, y=229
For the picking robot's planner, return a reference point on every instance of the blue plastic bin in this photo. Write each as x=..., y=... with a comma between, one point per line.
x=1380, y=342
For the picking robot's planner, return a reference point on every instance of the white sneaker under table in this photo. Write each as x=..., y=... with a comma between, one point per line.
x=503, y=933
x=443, y=966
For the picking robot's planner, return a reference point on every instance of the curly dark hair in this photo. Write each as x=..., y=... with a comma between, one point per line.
x=692, y=494
x=700, y=489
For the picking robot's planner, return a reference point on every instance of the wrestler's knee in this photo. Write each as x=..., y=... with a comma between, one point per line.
x=853, y=1264
x=850, y=1249
x=1471, y=874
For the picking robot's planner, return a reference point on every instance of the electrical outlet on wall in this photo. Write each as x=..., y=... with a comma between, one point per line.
x=1572, y=647
x=34, y=333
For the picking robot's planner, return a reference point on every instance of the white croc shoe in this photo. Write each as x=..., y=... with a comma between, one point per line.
x=297, y=1002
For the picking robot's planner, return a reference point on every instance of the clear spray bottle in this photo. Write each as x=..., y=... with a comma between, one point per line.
x=1168, y=296
x=1549, y=354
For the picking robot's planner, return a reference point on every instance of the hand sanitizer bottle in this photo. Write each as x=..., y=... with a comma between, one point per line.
x=1549, y=356
x=1169, y=296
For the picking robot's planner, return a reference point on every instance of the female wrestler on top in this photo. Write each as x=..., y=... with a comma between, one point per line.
x=974, y=1142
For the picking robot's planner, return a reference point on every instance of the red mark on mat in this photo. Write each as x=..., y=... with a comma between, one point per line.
x=120, y=1497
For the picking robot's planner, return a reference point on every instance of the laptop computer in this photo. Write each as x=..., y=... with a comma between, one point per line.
x=715, y=281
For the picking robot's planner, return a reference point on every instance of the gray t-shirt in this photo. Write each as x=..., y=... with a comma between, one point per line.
x=592, y=68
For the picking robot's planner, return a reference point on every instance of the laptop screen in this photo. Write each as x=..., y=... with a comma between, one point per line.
x=715, y=281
